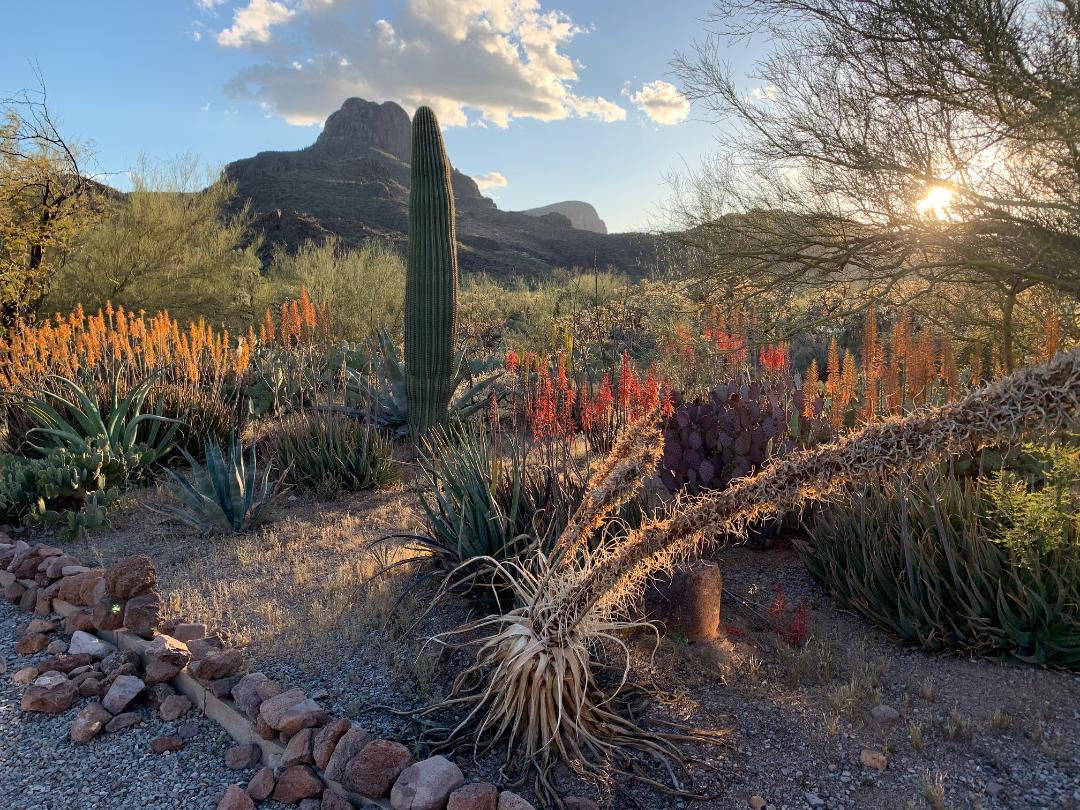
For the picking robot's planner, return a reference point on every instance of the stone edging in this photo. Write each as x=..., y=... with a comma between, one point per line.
x=432, y=784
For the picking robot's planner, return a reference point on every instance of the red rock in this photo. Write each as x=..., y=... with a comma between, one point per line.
x=25, y=675
x=261, y=784
x=124, y=689
x=130, y=577
x=88, y=722
x=350, y=744
x=188, y=632
x=77, y=589
x=142, y=614
x=305, y=714
x=426, y=785
x=298, y=751
x=873, y=759
x=326, y=739
x=28, y=645
x=334, y=801
x=273, y=710
x=108, y=613
x=39, y=626
x=221, y=688
x=158, y=694
x=80, y=620
x=220, y=664
x=13, y=592
x=297, y=783
x=159, y=672
x=168, y=650
x=56, y=647
x=91, y=687
x=202, y=647
x=124, y=669
x=51, y=694
x=54, y=566
x=122, y=721
x=263, y=729
x=477, y=796
x=174, y=707
x=64, y=663
x=245, y=693
x=234, y=798
x=239, y=757
x=511, y=801
x=29, y=599
x=268, y=689
x=311, y=804
x=372, y=772
x=159, y=745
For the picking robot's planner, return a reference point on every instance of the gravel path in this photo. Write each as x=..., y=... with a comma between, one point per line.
x=42, y=769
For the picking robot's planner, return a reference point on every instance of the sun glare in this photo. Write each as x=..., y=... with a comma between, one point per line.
x=936, y=203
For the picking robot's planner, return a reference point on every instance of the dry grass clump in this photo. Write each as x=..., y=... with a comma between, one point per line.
x=532, y=684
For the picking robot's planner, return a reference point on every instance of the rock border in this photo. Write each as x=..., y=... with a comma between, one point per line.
x=282, y=728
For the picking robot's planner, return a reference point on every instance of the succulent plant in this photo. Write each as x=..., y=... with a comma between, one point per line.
x=734, y=431
x=431, y=279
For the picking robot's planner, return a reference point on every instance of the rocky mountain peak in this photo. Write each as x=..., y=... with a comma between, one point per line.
x=358, y=123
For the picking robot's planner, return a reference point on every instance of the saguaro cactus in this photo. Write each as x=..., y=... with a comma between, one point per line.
x=432, y=279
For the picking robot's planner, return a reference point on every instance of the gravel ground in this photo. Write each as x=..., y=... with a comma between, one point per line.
x=42, y=769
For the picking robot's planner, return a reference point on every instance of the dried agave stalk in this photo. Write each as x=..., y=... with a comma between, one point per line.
x=531, y=684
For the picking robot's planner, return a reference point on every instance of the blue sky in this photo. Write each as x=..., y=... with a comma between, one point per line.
x=563, y=99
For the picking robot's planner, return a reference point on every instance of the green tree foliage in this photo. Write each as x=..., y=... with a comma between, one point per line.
x=46, y=200
x=168, y=244
x=364, y=287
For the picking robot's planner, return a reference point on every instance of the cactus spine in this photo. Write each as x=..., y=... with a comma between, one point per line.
x=431, y=280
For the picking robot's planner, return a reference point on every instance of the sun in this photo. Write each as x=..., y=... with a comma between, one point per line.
x=936, y=203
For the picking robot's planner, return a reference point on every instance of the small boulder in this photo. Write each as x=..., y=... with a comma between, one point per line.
x=117, y=660
x=50, y=693
x=122, y=721
x=298, y=751
x=123, y=690
x=273, y=710
x=159, y=672
x=174, y=707
x=241, y=757
x=25, y=675
x=64, y=663
x=305, y=714
x=91, y=687
x=185, y=631
x=296, y=784
x=168, y=650
x=202, y=647
x=352, y=742
x=142, y=614
x=76, y=589
x=88, y=722
x=477, y=796
x=509, y=800
x=221, y=688
x=245, y=693
x=32, y=643
x=373, y=771
x=160, y=745
x=107, y=613
x=234, y=798
x=219, y=664
x=426, y=785
x=326, y=739
x=79, y=620
x=39, y=626
x=334, y=801
x=84, y=643
x=885, y=715
x=130, y=577
x=13, y=592
x=262, y=784
x=873, y=759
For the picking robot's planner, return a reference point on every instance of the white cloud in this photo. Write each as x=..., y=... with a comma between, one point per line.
x=252, y=23
x=196, y=35
x=490, y=180
x=208, y=4
x=471, y=60
x=661, y=101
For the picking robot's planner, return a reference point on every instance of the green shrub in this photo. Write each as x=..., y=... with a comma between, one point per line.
x=229, y=494
x=990, y=566
x=327, y=453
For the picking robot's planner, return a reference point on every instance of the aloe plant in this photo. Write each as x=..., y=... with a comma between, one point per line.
x=230, y=494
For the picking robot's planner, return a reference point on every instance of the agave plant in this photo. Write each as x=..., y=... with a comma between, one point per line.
x=381, y=392
x=327, y=453
x=229, y=494
x=76, y=420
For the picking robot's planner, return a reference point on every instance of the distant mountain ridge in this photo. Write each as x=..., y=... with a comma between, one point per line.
x=581, y=215
x=353, y=182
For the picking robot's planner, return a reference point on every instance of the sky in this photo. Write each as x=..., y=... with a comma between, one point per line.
x=541, y=100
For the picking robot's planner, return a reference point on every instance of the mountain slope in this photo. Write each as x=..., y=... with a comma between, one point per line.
x=581, y=215
x=354, y=182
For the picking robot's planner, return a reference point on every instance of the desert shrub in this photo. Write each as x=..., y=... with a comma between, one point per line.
x=364, y=287
x=988, y=565
x=230, y=494
x=328, y=453
x=485, y=503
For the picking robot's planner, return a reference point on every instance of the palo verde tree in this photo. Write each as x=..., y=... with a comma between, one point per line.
x=46, y=199
x=891, y=150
